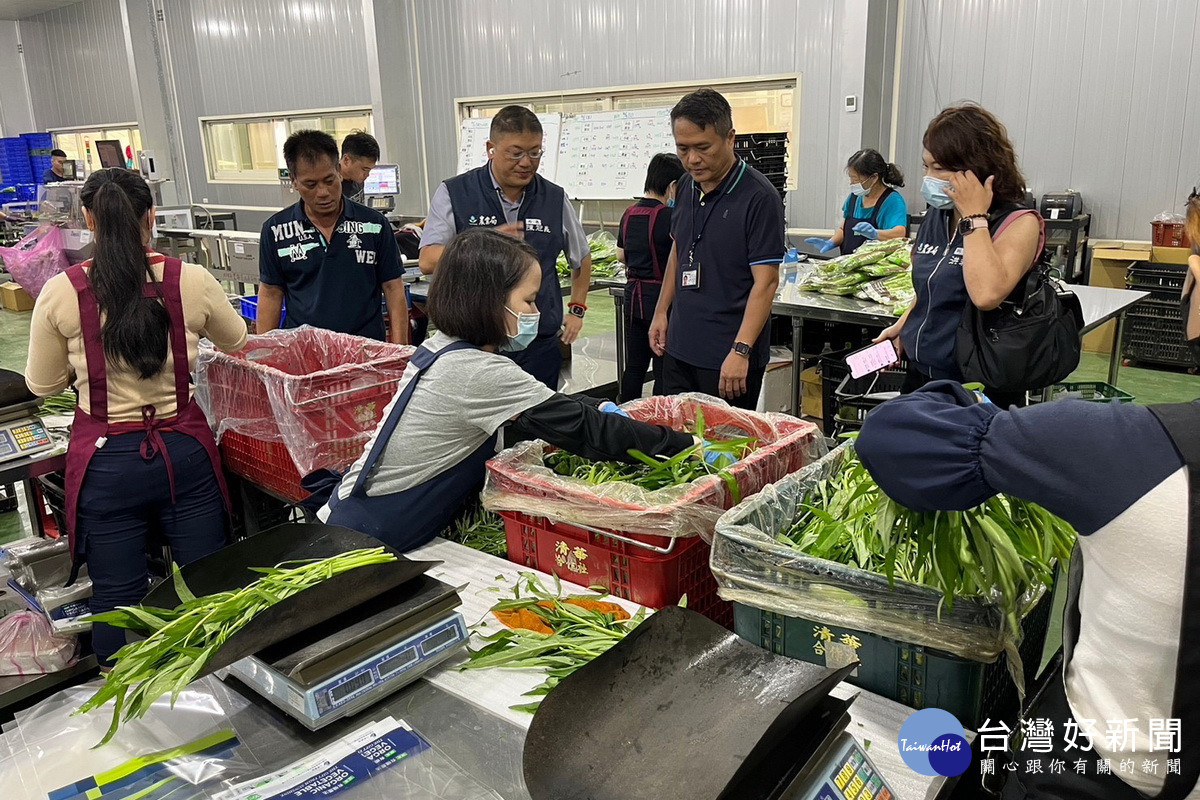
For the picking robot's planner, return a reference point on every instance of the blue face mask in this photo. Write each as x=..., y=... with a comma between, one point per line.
x=527, y=330
x=671, y=203
x=934, y=192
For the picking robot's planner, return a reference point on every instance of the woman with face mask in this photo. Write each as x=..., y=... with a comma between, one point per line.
x=425, y=461
x=643, y=246
x=978, y=240
x=873, y=209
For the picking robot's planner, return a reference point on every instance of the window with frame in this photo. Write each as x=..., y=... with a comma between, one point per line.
x=249, y=149
x=760, y=105
x=80, y=143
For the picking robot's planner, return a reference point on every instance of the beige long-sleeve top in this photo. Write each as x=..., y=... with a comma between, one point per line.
x=57, y=359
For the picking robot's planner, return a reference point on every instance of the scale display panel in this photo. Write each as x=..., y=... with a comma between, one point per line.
x=23, y=437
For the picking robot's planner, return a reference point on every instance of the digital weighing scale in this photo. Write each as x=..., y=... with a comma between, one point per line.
x=21, y=433
x=357, y=658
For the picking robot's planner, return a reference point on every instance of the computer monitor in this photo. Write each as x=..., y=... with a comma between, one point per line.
x=111, y=153
x=384, y=180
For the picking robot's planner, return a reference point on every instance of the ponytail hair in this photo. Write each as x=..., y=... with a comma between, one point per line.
x=870, y=162
x=135, y=327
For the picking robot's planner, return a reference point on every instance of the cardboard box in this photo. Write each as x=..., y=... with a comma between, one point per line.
x=811, y=398
x=14, y=298
x=776, y=394
x=1170, y=255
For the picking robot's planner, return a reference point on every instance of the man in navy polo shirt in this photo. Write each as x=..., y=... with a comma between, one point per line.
x=328, y=257
x=509, y=195
x=711, y=320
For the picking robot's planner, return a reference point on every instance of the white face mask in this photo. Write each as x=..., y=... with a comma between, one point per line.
x=527, y=330
x=858, y=189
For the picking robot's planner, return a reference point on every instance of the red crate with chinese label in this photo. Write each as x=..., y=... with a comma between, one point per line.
x=655, y=571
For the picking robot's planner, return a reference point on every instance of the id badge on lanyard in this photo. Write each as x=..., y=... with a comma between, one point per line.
x=689, y=277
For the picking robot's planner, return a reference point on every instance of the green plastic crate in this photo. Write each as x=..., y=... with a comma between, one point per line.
x=919, y=677
x=1091, y=391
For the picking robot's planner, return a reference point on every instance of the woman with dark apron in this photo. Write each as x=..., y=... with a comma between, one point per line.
x=141, y=457
x=425, y=461
x=873, y=210
x=643, y=246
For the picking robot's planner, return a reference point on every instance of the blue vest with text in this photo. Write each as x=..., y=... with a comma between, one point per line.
x=475, y=204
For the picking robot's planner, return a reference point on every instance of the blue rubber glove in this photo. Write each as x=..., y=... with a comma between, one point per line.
x=823, y=245
x=609, y=407
x=866, y=229
x=715, y=458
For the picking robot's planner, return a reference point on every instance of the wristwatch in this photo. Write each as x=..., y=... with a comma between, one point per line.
x=973, y=222
x=742, y=349
x=576, y=309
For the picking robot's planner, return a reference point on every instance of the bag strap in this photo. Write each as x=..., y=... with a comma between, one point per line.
x=1182, y=424
x=998, y=222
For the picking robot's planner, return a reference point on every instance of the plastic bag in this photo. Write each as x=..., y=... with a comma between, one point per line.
x=36, y=259
x=754, y=569
x=193, y=743
x=317, y=392
x=517, y=479
x=29, y=646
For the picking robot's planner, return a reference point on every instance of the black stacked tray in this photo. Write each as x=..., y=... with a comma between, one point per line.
x=1154, y=326
x=767, y=153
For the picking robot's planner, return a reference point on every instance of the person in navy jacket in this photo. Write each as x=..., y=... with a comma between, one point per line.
x=1115, y=473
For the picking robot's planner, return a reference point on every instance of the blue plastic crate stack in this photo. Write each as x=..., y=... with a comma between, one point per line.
x=15, y=166
x=40, y=145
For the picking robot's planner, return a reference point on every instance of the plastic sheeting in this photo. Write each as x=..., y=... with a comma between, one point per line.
x=755, y=569
x=517, y=479
x=36, y=259
x=319, y=393
x=29, y=646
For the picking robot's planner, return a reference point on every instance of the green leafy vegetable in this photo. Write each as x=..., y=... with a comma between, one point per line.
x=480, y=530
x=181, y=641
x=999, y=550
x=580, y=629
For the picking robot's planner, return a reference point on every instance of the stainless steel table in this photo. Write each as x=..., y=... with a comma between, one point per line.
x=1099, y=306
x=23, y=471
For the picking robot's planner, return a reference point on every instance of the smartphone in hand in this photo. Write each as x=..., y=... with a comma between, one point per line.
x=872, y=358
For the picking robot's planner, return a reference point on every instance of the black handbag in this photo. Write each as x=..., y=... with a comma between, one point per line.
x=1030, y=341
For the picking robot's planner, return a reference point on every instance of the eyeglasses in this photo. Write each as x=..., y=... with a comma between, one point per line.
x=534, y=155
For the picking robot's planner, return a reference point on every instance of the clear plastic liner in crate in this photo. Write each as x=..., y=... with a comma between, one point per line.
x=518, y=480
x=753, y=568
x=318, y=392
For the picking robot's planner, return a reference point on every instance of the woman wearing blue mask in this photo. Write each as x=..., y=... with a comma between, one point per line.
x=978, y=240
x=425, y=461
x=643, y=246
x=873, y=209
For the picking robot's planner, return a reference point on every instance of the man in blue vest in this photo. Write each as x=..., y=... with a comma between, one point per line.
x=509, y=195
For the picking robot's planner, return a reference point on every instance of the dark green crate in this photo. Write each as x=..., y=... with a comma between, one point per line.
x=919, y=677
x=1091, y=391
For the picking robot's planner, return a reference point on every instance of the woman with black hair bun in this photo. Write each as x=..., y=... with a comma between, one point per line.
x=873, y=209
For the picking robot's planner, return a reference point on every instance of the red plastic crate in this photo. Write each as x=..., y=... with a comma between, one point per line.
x=295, y=401
x=625, y=570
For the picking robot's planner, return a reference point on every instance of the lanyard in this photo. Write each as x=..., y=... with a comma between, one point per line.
x=711, y=209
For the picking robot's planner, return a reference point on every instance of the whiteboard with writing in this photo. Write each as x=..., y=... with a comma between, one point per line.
x=473, y=136
x=604, y=155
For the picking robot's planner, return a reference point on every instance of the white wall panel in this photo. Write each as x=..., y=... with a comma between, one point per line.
x=77, y=64
x=510, y=47
x=1102, y=96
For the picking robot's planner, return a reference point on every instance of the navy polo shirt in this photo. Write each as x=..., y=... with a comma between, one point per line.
x=49, y=177
x=723, y=233
x=337, y=284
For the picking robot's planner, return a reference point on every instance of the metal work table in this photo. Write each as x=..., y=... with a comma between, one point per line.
x=1099, y=306
x=23, y=471
x=466, y=715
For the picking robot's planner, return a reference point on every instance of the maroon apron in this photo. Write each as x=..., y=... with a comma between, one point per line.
x=634, y=284
x=90, y=431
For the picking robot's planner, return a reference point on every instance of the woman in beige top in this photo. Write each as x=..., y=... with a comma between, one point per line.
x=123, y=329
x=1191, y=298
